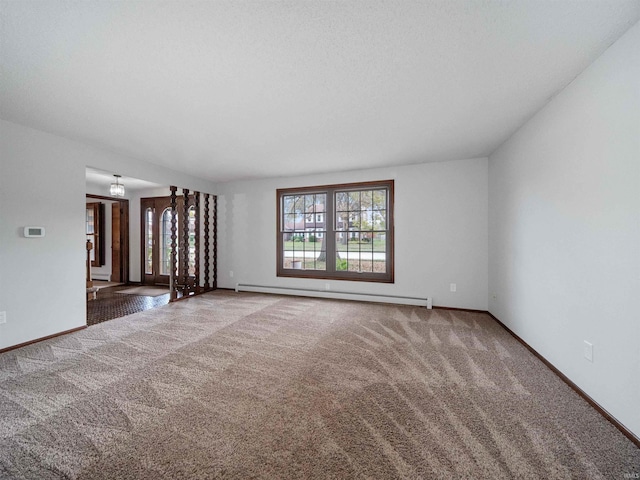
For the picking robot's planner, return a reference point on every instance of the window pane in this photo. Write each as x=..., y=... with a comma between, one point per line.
x=90, y=221
x=298, y=261
x=379, y=243
x=165, y=242
x=342, y=220
x=289, y=223
x=379, y=220
x=309, y=202
x=368, y=222
x=380, y=199
x=192, y=240
x=341, y=262
x=342, y=241
x=287, y=242
x=353, y=255
x=354, y=221
x=354, y=201
x=365, y=199
x=319, y=251
x=148, y=242
x=358, y=246
x=288, y=204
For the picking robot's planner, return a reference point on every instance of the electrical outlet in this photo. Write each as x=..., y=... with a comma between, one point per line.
x=3, y=317
x=588, y=351
x=453, y=287
x=231, y=273
x=327, y=286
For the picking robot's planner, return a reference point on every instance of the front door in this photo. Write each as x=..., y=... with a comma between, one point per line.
x=156, y=239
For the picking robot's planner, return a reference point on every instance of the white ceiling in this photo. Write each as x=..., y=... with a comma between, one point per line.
x=246, y=89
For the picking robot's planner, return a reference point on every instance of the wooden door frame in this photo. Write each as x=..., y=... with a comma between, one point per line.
x=124, y=234
x=120, y=214
x=156, y=248
x=166, y=202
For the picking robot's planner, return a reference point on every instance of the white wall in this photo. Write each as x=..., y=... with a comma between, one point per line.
x=42, y=182
x=564, y=223
x=440, y=232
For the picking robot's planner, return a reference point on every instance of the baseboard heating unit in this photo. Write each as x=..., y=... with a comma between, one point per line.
x=364, y=297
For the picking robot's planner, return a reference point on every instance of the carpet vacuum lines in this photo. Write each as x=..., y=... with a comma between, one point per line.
x=249, y=385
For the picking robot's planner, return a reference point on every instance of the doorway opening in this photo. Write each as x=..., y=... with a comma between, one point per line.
x=178, y=244
x=177, y=235
x=107, y=228
x=156, y=221
x=112, y=264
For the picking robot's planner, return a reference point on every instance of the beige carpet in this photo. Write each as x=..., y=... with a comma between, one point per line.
x=229, y=385
x=145, y=291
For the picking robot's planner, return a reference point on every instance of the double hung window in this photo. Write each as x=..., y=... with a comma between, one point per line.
x=336, y=232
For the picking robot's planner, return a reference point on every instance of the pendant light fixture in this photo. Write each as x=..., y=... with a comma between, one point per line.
x=117, y=189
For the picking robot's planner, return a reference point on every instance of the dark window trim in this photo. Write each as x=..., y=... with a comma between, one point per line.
x=329, y=220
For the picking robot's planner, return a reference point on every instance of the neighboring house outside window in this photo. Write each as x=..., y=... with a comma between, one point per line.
x=336, y=231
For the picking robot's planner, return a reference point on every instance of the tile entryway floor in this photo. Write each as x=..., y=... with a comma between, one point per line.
x=109, y=304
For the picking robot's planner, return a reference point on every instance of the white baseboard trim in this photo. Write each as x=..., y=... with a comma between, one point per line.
x=363, y=297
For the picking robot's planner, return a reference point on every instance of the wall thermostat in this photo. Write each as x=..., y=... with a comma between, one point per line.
x=34, y=231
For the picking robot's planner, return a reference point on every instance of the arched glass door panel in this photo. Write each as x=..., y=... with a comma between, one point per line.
x=165, y=242
x=156, y=218
x=149, y=239
x=192, y=240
